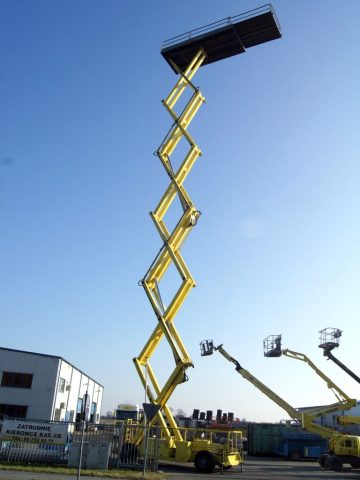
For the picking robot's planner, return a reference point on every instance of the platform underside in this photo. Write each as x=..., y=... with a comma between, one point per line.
x=328, y=346
x=226, y=41
x=274, y=352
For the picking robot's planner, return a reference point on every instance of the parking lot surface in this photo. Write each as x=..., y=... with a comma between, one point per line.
x=268, y=469
x=253, y=469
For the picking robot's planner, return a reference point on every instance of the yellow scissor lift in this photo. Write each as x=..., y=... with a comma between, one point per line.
x=186, y=54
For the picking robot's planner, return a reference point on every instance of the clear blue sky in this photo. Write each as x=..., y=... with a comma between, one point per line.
x=277, y=247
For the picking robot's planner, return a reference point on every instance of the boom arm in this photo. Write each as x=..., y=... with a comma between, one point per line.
x=348, y=420
x=292, y=412
x=344, y=401
x=306, y=419
x=330, y=356
x=330, y=339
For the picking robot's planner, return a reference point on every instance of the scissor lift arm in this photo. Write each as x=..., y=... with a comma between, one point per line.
x=170, y=252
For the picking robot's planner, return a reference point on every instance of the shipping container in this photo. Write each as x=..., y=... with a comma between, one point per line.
x=285, y=440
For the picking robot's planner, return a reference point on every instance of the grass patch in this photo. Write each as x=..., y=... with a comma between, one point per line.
x=125, y=474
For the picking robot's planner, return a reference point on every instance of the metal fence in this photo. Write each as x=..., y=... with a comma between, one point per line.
x=102, y=446
x=130, y=446
x=21, y=452
x=34, y=441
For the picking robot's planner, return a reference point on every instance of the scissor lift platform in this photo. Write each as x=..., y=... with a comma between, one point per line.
x=223, y=39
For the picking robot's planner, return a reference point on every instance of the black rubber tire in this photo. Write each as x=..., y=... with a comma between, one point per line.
x=204, y=462
x=322, y=460
x=336, y=464
x=355, y=465
x=295, y=456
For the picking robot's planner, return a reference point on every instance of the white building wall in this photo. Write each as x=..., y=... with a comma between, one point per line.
x=74, y=393
x=38, y=398
x=75, y=384
x=63, y=391
x=56, y=388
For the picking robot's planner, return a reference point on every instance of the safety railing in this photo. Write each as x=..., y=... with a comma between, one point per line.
x=225, y=22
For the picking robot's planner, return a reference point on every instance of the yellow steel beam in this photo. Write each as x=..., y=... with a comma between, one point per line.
x=344, y=401
x=185, y=77
x=159, y=418
x=176, y=185
x=169, y=254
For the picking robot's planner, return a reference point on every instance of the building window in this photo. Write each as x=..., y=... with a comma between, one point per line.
x=93, y=412
x=79, y=405
x=79, y=408
x=61, y=386
x=69, y=416
x=15, y=411
x=16, y=380
x=57, y=415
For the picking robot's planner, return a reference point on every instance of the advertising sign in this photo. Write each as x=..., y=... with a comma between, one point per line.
x=33, y=432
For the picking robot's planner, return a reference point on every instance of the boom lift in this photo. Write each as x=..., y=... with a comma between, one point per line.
x=342, y=448
x=330, y=339
x=185, y=55
x=272, y=348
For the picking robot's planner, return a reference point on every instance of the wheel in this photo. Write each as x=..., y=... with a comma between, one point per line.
x=295, y=456
x=228, y=467
x=336, y=464
x=355, y=465
x=322, y=460
x=204, y=461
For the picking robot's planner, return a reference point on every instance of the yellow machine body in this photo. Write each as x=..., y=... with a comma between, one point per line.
x=224, y=446
x=348, y=420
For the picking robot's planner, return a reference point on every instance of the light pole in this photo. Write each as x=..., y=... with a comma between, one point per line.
x=84, y=416
x=145, y=426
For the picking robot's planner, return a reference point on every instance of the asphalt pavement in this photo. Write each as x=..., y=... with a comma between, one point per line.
x=253, y=469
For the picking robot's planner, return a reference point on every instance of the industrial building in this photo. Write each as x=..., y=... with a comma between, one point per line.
x=45, y=387
x=332, y=420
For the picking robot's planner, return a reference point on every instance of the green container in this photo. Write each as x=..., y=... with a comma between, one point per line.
x=264, y=438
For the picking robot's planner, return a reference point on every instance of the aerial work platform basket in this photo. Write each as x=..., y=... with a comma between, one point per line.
x=329, y=338
x=224, y=38
x=272, y=346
